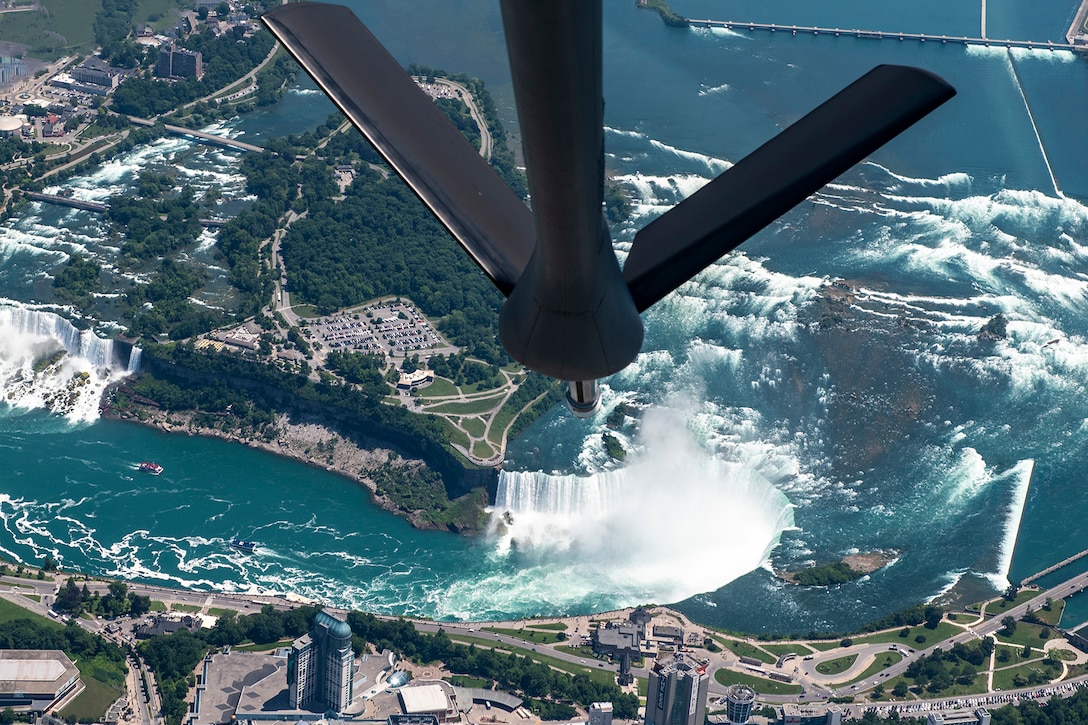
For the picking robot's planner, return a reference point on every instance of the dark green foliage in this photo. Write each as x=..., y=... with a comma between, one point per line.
x=171, y=312
x=511, y=672
x=152, y=228
x=613, y=447
x=826, y=575
x=459, y=115
x=941, y=670
x=616, y=207
x=421, y=490
x=359, y=368
x=78, y=281
x=118, y=601
x=381, y=240
x=502, y=158
x=225, y=59
x=113, y=23
x=98, y=658
x=173, y=658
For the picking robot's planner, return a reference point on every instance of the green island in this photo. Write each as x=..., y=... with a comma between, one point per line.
x=668, y=16
x=834, y=573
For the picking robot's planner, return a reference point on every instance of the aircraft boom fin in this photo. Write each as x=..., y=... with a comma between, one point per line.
x=417, y=140
x=777, y=176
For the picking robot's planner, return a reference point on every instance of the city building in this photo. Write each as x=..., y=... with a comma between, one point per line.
x=794, y=714
x=739, y=700
x=677, y=692
x=320, y=667
x=980, y=716
x=623, y=642
x=10, y=126
x=36, y=680
x=98, y=75
x=175, y=62
x=12, y=69
x=432, y=699
x=600, y=713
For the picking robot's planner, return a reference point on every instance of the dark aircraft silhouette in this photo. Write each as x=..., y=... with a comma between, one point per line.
x=570, y=312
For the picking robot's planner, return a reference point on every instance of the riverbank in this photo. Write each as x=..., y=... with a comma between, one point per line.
x=314, y=443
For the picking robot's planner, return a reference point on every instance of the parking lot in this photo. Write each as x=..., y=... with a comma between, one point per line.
x=393, y=329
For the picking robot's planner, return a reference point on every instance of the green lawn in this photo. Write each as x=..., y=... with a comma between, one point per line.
x=472, y=407
x=1001, y=605
x=882, y=662
x=824, y=646
x=597, y=674
x=441, y=387
x=482, y=449
x=475, y=427
x=559, y=626
x=1028, y=634
x=784, y=649
x=500, y=422
x=837, y=665
x=943, y=631
x=92, y=703
x=221, y=611
x=162, y=14
x=185, y=607
x=466, y=681
x=531, y=635
x=157, y=606
x=744, y=649
x=1054, y=615
x=1005, y=679
x=9, y=611
x=1008, y=655
x=759, y=684
x=72, y=20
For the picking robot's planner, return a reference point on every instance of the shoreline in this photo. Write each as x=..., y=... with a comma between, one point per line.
x=309, y=442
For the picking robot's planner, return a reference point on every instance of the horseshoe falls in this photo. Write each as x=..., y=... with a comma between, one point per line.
x=822, y=391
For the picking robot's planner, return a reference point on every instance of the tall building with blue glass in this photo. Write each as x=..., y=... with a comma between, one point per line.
x=320, y=667
x=677, y=692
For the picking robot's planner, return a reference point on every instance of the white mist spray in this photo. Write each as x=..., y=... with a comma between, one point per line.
x=676, y=522
x=45, y=362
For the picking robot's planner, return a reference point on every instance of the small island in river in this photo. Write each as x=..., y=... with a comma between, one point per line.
x=848, y=568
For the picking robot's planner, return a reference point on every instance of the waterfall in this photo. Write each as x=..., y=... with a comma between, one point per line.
x=1021, y=475
x=677, y=522
x=45, y=362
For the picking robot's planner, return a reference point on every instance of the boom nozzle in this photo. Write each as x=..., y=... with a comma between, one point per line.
x=583, y=397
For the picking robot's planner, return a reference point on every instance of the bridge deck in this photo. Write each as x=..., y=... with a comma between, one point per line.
x=882, y=34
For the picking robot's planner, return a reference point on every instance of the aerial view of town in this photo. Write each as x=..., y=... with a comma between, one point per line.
x=269, y=459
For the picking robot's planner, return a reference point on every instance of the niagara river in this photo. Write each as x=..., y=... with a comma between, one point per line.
x=822, y=391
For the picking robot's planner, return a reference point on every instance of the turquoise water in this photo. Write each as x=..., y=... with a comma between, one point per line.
x=759, y=428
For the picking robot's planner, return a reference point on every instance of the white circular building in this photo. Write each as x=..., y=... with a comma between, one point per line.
x=10, y=126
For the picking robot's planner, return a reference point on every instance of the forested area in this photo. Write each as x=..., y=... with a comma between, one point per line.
x=117, y=601
x=225, y=59
x=381, y=240
x=225, y=378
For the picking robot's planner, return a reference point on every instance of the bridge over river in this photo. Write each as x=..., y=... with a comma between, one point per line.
x=883, y=35
x=96, y=206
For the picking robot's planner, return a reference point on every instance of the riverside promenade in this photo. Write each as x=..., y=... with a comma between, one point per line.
x=886, y=35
